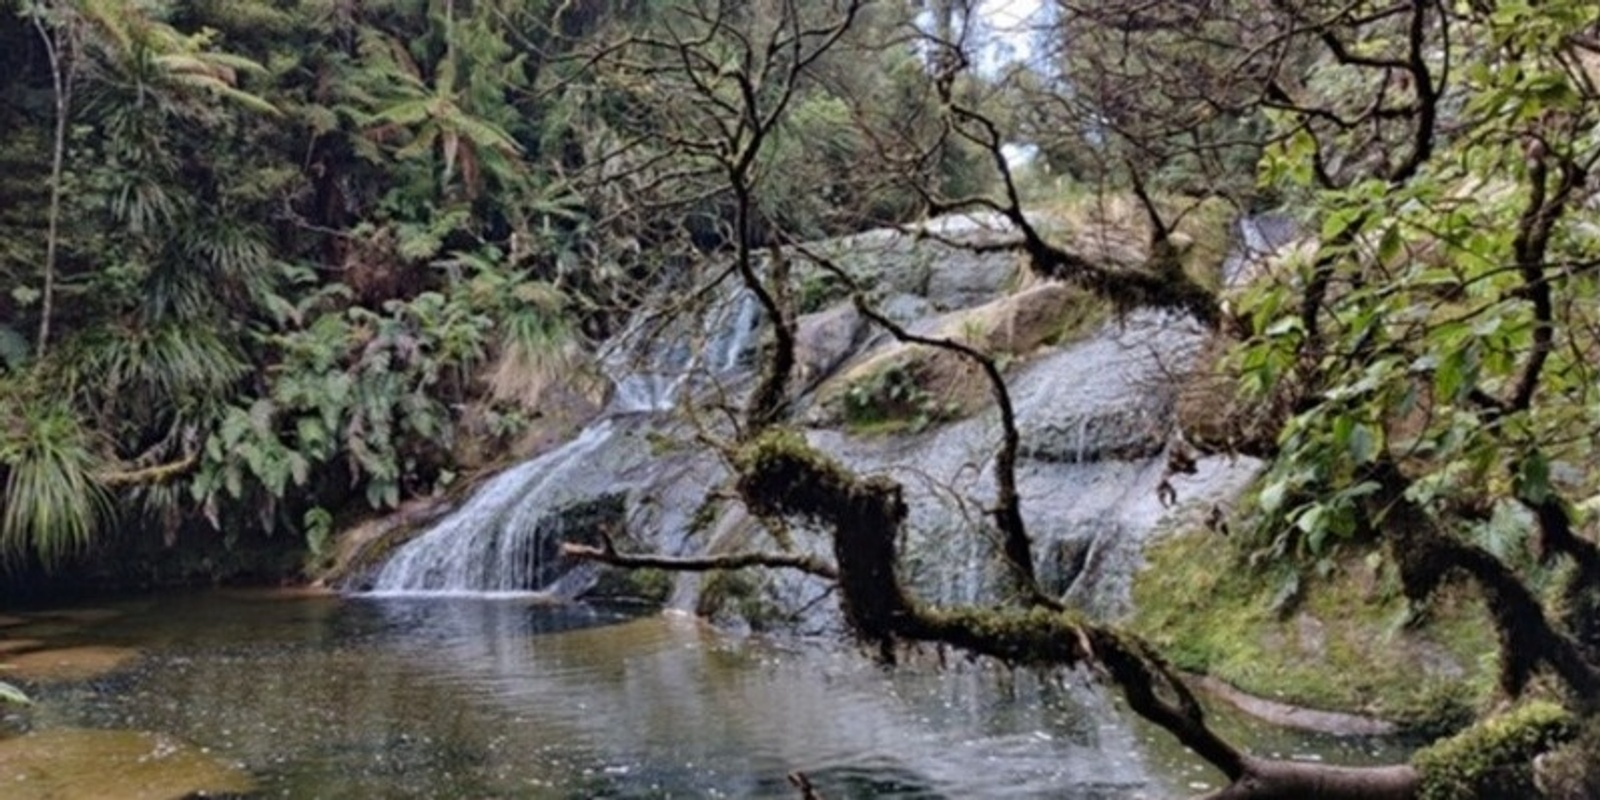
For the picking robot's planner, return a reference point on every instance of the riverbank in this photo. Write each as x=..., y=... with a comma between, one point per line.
x=1343, y=641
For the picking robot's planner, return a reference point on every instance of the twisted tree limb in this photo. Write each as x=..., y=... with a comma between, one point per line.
x=780, y=474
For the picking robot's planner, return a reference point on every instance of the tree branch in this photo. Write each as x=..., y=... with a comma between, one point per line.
x=811, y=565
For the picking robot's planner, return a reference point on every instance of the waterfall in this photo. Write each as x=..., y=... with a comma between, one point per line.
x=493, y=543
x=507, y=536
x=651, y=371
x=1258, y=236
x=1096, y=416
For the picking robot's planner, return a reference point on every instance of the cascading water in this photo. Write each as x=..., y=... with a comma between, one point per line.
x=493, y=542
x=651, y=371
x=1097, y=417
x=507, y=536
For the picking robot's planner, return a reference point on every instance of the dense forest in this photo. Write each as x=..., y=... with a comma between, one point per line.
x=270, y=267
x=265, y=264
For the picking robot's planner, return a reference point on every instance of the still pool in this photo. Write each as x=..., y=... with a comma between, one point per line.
x=360, y=697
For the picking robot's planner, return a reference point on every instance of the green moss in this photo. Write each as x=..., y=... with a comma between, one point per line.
x=663, y=444
x=1495, y=757
x=1210, y=231
x=1573, y=769
x=1083, y=314
x=649, y=586
x=893, y=400
x=1342, y=642
x=1032, y=637
x=818, y=290
x=706, y=514
x=738, y=594
x=780, y=472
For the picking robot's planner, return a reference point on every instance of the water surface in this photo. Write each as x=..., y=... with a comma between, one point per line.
x=513, y=697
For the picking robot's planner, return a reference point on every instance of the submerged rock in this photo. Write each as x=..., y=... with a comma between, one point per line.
x=19, y=645
x=76, y=764
x=81, y=615
x=69, y=663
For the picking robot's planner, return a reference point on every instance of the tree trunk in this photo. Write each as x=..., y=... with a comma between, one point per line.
x=62, y=87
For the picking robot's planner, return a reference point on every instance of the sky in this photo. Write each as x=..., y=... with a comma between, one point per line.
x=1010, y=21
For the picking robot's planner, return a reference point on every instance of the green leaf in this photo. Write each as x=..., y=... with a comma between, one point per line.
x=1390, y=245
x=1273, y=495
x=1363, y=445
x=13, y=695
x=1338, y=222
x=1533, y=478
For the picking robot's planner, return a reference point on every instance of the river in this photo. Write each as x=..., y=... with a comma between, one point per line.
x=366, y=697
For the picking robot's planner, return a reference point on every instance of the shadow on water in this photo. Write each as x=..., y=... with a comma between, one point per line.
x=394, y=697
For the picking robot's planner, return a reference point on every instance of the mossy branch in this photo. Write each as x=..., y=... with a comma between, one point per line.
x=145, y=476
x=780, y=473
x=810, y=565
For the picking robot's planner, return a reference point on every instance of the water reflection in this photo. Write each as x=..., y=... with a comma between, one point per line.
x=327, y=697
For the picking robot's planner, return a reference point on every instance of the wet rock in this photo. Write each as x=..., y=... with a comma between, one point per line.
x=824, y=340
x=907, y=380
x=892, y=262
x=74, y=764
x=1108, y=397
x=906, y=308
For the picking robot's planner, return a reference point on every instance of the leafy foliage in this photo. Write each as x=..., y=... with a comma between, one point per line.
x=13, y=696
x=286, y=256
x=52, y=503
x=1433, y=346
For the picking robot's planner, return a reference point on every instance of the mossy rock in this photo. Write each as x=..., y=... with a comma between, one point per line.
x=1346, y=642
x=648, y=586
x=360, y=550
x=908, y=386
x=739, y=596
x=1494, y=758
x=733, y=597
x=74, y=764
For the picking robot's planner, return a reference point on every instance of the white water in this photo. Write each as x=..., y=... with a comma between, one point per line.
x=492, y=543
x=500, y=540
x=651, y=368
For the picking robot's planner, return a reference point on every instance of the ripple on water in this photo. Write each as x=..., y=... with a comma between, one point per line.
x=327, y=697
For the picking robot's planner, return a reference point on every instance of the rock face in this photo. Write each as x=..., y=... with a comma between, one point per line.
x=1095, y=403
